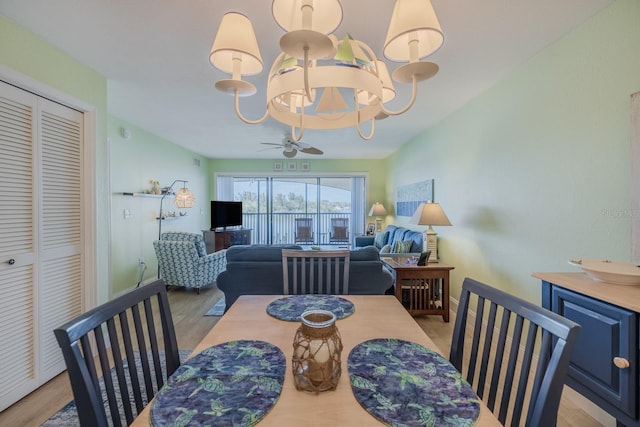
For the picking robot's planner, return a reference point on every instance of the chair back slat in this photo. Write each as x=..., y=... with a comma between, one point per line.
x=315, y=272
x=125, y=343
x=488, y=340
x=497, y=364
x=476, y=343
x=527, y=347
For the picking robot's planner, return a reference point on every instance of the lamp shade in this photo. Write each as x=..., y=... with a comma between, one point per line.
x=429, y=214
x=388, y=91
x=236, y=44
x=323, y=16
x=413, y=21
x=377, y=210
x=184, y=199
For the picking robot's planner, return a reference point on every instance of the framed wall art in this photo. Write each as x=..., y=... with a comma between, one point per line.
x=409, y=196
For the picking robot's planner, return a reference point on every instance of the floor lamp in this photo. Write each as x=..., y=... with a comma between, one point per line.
x=430, y=214
x=184, y=199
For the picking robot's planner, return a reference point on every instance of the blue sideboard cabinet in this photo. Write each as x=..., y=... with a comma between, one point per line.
x=605, y=365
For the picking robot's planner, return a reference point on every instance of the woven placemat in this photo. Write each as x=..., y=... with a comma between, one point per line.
x=403, y=383
x=231, y=384
x=290, y=308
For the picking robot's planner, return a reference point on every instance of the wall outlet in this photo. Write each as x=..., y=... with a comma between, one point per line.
x=141, y=260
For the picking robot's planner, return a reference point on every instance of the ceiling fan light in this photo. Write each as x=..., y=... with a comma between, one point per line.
x=323, y=16
x=414, y=31
x=235, y=48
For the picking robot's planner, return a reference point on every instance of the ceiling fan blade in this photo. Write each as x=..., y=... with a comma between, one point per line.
x=290, y=154
x=271, y=143
x=311, y=150
x=300, y=144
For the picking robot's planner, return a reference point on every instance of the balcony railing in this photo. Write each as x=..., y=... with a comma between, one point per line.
x=280, y=228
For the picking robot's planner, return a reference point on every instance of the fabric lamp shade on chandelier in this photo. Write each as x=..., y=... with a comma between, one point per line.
x=319, y=81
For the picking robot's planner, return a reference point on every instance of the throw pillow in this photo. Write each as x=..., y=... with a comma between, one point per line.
x=402, y=246
x=380, y=240
x=386, y=249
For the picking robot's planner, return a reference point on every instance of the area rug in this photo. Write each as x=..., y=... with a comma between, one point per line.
x=217, y=309
x=68, y=416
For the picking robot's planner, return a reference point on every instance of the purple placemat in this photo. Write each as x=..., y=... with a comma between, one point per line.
x=231, y=384
x=403, y=383
x=291, y=307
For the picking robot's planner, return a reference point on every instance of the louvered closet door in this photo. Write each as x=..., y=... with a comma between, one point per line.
x=17, y=243
x=60, y=226
x=40, y=236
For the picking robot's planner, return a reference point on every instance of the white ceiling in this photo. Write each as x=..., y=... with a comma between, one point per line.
x=154, y=54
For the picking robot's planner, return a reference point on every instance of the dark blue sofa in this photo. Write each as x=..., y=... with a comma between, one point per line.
x=257, y=270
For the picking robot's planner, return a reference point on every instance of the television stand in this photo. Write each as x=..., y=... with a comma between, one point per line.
x=216, y=240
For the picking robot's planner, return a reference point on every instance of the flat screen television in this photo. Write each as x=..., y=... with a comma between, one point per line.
x=225, y=214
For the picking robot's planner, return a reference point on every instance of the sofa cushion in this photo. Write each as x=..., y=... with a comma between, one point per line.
x=386, y=249
x=256, y=253
x=417, y=238
x=402, y=246
x=368, y=253
x=381, y=239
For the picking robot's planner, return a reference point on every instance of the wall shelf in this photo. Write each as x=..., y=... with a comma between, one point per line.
x=146, y=195
x=171, y=218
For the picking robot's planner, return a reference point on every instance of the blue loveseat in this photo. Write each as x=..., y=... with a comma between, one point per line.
x=389, y=238
x=257, y=270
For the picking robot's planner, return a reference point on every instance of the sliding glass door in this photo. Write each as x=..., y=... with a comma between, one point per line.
x=305, y=210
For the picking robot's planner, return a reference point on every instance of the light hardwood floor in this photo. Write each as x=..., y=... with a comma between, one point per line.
x=191, y=325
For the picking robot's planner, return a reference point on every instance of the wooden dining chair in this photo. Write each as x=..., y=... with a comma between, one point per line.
x=518, y=353
x=134, y=334
x=315, y=272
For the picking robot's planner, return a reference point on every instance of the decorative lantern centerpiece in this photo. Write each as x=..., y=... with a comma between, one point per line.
x=316, y=352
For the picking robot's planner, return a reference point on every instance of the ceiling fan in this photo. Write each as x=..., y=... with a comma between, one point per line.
x=292, y=147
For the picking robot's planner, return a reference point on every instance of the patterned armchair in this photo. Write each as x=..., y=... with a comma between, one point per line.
x=183, y=260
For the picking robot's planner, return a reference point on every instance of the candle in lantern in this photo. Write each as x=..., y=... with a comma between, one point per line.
x=320, y=350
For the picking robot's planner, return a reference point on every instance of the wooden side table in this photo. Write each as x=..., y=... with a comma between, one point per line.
x=422, y=289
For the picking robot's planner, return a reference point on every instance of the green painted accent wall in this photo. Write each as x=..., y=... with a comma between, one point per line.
x=376, y=171
x=536, y=170
x=27, y=54
x=134, y=162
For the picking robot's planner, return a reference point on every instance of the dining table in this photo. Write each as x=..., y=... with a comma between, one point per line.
x=374, y=317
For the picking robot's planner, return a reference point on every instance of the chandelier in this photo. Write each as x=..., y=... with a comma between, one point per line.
x=310, y=78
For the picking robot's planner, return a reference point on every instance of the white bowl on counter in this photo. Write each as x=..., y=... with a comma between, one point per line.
x=604, y=270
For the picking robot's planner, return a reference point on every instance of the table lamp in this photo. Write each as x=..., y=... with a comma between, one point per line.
x=378, y=210
x=430, y=214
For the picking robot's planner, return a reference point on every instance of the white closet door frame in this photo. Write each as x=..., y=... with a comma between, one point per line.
x=90, y=248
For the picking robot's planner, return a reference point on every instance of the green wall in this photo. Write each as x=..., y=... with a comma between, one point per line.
x=376, y=170
x=536, y=170
x=134, y=162
x=27, y=54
